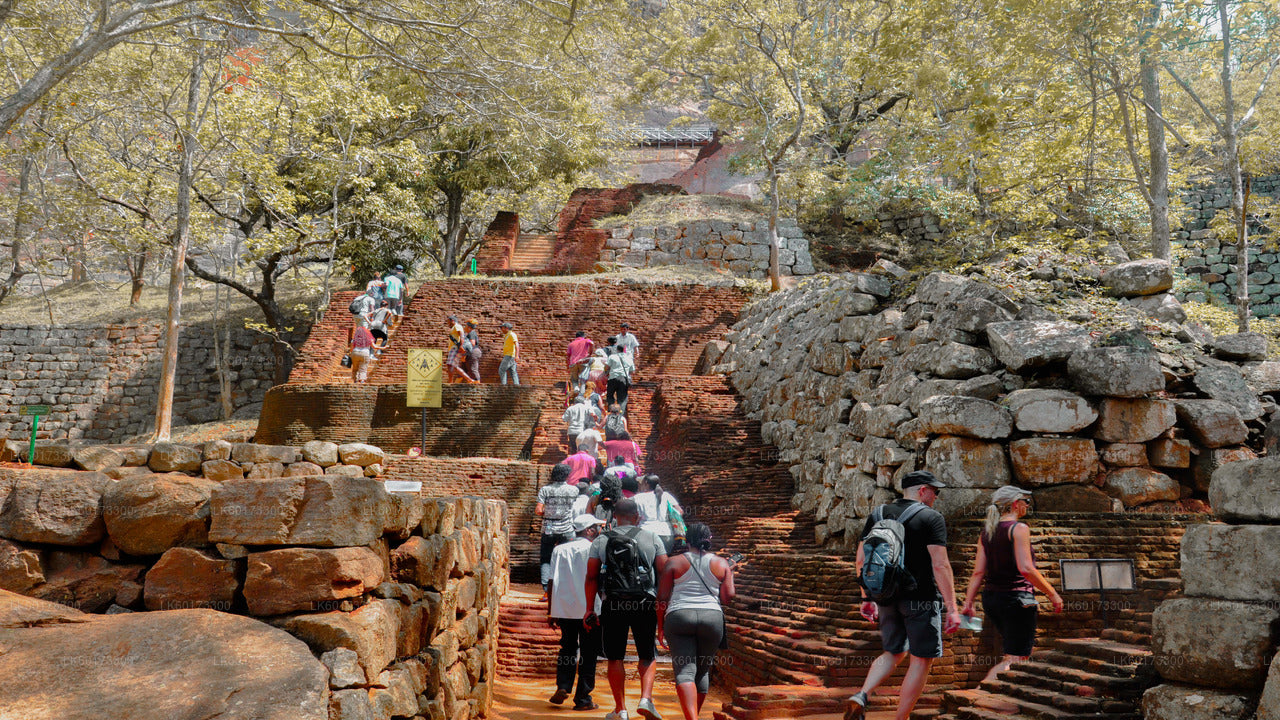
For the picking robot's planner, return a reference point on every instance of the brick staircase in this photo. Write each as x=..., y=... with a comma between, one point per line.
x=527, y=645
x=532, y=253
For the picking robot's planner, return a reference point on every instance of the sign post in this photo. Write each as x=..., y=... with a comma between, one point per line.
x=424, y=383
x=35, y=411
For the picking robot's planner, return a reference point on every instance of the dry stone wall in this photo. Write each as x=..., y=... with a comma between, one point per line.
x=983, y=391
x=395, y=593
x=1206, y=258
x=101, y=381
x=741, y=247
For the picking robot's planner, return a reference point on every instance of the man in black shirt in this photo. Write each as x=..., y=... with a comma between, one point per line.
x=914, y=622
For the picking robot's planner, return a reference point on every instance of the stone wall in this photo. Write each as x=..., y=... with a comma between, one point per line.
x=1216, y=648
x=741, y=247
x=102, y=381
x=1205, y=258
x=396, y=593
x=960, y=380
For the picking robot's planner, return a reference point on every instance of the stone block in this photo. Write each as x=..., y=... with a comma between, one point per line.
x=370, y=630
x=360, y=454
x=1132, y=421
x=1116, y=371
x=1162, y=306
x=265, y=470
x=1269, y=703
x=220, y=470
x=216, y=450
x=96, y=458
x=321, y=453
x=955, y=361
x=308, y=579
x=1223, y=381
x=965, y=416
x=1135, y=486
x=1208, y=461
x=320, y=511
x=21, y=568
x=1232, y=562
x=344, y=668
x=1212, y=423
x=1182, y=702
x=425, y=561
x=52, y=454
x=1072, y=498
x=350, y=471
x=1033, y=343
x=148, y=514
x=255, y=453
x=1219, y=643
x=1139, y=277
x=303, y=469
x=1241, y=346
x=963, y=462
x=1125, y=454
x=1169, y=453
x=57, y=507
x=351, y=705
x=185, y=578
x=1050, y=411
x=1247, y=491
x=1043, y=461
x=172, y=457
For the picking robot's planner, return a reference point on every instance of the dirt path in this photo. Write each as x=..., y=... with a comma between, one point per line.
x=526, y=699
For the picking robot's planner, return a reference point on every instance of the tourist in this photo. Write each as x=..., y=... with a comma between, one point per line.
x=660, y=511
x=471, y=346
x=590, y=438
x=615, y=423
x=597, y=369
x=620, y=369
x=378, y=326
x=915, y=620
x=575, y=614
x=626, y=447
x=575, y=358
x=581, y=504
x=693, y=589
x=555, y=507
x=628, y=344
x=630, y=486
x=620, y=468
x=576, y=417
x=360, y=307
x=394, y=283
x=453, y=360
x=583, y=466
x=629, y=583
x=510, y=355
x=361, y=354
x=1005, y=570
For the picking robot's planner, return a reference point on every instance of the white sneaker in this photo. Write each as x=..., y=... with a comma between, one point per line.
x=647, y=711
x=616, y=715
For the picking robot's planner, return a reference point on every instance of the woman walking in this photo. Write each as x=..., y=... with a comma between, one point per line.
x=692, y=591
x=1006, y=565
x=361, y=353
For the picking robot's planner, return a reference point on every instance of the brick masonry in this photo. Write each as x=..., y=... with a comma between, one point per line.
x=741, y=247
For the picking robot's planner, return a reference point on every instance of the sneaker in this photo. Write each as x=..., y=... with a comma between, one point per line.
x=857, y=707
x=647, y=710
x=616, y=715
x=560, y=696
x=588, y=705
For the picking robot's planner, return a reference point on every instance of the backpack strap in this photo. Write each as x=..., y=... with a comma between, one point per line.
x=911, y=512
x=878, y=514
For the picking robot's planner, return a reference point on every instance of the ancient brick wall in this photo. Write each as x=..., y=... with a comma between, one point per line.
x=578, y=242
x=500, y=238
x=102, y=381
x=479, y=421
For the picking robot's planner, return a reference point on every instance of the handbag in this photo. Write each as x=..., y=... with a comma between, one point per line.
x=346, y=360
x=724, y=626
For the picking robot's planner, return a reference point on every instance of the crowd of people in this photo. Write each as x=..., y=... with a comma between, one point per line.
x=376, y=314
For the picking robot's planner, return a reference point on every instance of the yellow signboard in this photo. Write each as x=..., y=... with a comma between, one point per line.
x=425, y=378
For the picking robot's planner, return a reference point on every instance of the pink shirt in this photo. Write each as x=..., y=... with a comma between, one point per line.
x=579, y=350
x=626, y=448
x=583, y=464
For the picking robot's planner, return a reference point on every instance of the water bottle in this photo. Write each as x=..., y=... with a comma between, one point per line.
x=971, y=622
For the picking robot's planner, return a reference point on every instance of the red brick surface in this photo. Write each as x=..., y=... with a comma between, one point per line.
x=500, y=238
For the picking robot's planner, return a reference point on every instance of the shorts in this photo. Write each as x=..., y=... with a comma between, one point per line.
x=640, y=616
x=1014, y=615
x=452, y=358
x=378, y=334
x=912, y=625
x=396, y=305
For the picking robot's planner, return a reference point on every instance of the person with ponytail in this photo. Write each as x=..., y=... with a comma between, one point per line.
x=1006, y=565
x=692, y=591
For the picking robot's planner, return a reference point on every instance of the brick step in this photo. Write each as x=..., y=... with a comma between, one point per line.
x=1005, y=689
x=1073, y=681
x=1108, y=651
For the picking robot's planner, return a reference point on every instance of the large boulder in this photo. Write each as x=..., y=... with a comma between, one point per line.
x=172, y=457
x=1263, y=377
x=309, y=579
x=965, y=416
x=57, y=507
x=1209, y=461
x=20, y=611
x=1232, y=562
x=371, y=631
x=1042, y=461
x=1134, y=421
x=1139, y=277
x=1162, y=306
x=184, y=578
x=326, y=511
x=1023, y=344
x=1138, y=486
x=1241, y=346
x=88, y=582
x=1219, y=643
x=1247, y=491
x=1181, y=702
x=148, y=514
x=1212, y=423
x=963, y=462
x=320, y=452
x=1269, y=703
x=1125, y=372
x=1224, y=382
x=176, y=665
x=1049, y=411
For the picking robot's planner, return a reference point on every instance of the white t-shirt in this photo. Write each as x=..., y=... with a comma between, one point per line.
x=568, y=579
x=653, y=518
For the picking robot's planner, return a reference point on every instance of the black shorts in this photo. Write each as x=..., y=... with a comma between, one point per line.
x=378, y=334
x=912, y=625
x=640, y=616
x=1014, y=615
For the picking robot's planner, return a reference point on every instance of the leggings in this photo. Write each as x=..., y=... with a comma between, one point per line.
x=694, y=636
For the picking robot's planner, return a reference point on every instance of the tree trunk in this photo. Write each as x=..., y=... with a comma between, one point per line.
x=775, y=277
x=1231, y=150
x=453, y=231
x=20, y=214
x=137, y=268
x=1158, y=150
x=178, y=269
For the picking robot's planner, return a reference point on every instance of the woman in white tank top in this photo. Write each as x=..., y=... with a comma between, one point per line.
x=692, y=591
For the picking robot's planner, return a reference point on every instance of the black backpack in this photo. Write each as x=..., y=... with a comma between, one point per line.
x=626, y=571
x=357, y=304
x=613, y=426
x=884, y=573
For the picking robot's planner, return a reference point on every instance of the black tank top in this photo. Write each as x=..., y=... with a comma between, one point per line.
x=1002, y=564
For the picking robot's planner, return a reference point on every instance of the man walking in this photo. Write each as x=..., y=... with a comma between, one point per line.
x=913, y=621
x=629, y=345
x=555, y=507
x=620, y=369
x=576, y=615
x=578, y=417
x=394, y=282
x=575, y=359
x=510, y=355
x=631, y=559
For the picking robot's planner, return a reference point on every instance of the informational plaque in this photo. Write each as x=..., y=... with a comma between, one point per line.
x=425, y=378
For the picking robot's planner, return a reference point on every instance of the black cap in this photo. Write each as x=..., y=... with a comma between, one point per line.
x=921, y=477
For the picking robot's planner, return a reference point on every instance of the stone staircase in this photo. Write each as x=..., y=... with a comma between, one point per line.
x=1074, y=679
x=532, y=252
x=528, y=645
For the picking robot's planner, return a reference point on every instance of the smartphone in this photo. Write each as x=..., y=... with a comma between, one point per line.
x=591, y=622
x=736, y=558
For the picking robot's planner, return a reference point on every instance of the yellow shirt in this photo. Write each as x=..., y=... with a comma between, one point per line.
x=456, y=333
x=509, y=343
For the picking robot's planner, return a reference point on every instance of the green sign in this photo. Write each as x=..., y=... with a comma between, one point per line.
x=34, y=410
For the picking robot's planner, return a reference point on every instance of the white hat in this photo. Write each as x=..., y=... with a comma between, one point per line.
x=584, y=521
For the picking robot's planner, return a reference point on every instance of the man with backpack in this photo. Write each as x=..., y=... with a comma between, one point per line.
x=906, y=583
x=625, y=563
